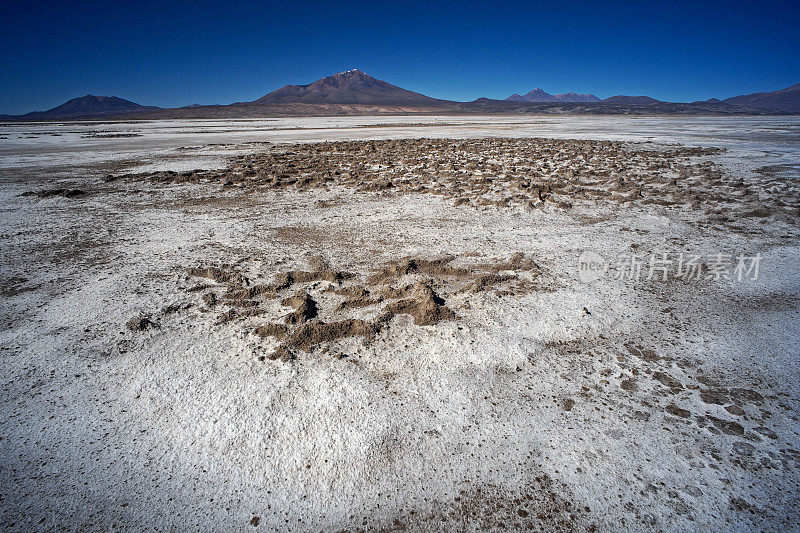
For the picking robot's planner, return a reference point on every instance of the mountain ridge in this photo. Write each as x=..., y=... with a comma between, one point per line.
x=540, y=95
x=787, y=99
x=353, y=92
x=624, y=99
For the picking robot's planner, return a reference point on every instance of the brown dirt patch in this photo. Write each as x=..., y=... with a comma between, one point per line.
x=411, y=286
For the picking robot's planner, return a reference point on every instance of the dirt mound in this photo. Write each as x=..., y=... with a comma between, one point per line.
x=382, y=292
x=272, y=330
x=518, y=261
x=305, y=308
x=523, y=173
x=356, y=303
x=482, y=276
x=255, y=291
x=424, y=306
x=310, y=335
x=484, y=282
x=411, y=265
x=49, y=193
x=218, y=274
x=238, y=314
x=321, y=272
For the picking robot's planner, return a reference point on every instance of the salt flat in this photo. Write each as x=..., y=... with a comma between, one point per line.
x=162, y=367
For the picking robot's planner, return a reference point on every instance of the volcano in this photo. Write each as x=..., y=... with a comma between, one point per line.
x=351, y=87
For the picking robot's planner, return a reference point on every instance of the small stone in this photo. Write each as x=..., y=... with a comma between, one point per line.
x=727, y=426
x=140, y=323
x=677, y=411
x=714, y=397
x=743, y=448
x=667, y=380
x=735, y=410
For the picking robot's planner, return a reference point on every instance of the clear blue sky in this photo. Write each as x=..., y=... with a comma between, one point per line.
x=174, y=54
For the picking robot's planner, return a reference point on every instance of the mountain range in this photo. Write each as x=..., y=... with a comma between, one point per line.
x=355, y=93
x=539, y=95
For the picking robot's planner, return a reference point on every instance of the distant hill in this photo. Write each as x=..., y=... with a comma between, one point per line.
x=576, y=97
x=622, y=99
x=356, y=93
x=605, y=107
x=90, y=103
x=539, y=95
x=536, y=95
x=84, y=107
x=786, y=100
x=351, y=87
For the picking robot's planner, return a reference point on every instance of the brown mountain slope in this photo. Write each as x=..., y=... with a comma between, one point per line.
x=786, y=100
x=351, y=87
x=89, y=105
x=623, y=99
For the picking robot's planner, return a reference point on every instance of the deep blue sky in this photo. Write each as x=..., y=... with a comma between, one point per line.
x=174, y=54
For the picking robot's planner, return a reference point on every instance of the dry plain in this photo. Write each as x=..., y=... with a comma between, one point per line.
x=381, y=323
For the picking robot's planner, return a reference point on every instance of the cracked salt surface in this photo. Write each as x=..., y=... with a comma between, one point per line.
x=670, y=406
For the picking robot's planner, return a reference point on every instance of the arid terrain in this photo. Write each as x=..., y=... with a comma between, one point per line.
x=391, y=323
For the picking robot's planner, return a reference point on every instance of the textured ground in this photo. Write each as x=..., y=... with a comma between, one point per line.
x=393, y=334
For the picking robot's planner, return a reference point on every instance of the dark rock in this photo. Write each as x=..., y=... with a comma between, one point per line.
x=140, y=323
x=677, y=411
